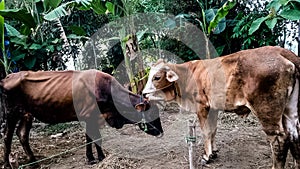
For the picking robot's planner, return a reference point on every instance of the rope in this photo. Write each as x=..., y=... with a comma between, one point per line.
x=59, y=154
x=73, y=149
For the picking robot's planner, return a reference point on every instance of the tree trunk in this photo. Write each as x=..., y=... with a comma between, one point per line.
x=136, y=63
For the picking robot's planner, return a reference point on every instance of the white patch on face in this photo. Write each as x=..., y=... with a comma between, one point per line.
x=291, y=116
x=149, y=87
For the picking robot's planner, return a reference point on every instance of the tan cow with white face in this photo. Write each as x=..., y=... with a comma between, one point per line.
x=264, y=81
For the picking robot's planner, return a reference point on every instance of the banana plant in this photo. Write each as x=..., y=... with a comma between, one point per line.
x=3, y=58
x=60, y=10
x=279, y=10
x=33, y=44
x=211, y=20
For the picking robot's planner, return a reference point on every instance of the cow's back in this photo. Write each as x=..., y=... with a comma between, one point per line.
x=55, y=96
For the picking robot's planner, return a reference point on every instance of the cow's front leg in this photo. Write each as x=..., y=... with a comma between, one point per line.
x=89, y=151
x=93, y=134
x=23, y=134
x=8, y=135
x=98, y=142
x=208, y=124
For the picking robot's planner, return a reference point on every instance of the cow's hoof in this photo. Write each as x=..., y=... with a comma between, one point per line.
x=204, y=163
x=101, y=158
x=214, y=155
x=92, y=162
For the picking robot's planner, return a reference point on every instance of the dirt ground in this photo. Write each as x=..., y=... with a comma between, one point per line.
x=241, y=143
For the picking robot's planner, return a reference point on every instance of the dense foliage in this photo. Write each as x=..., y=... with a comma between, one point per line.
x=44, y=35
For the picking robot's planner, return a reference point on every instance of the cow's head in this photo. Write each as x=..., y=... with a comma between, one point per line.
x=161, y=83
x=128, y=108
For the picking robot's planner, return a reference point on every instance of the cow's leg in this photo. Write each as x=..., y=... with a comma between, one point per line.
x=93, y=134
x=100, y=153
x=279, y=146
x=214, y=145
x=291, y=123
x=273, y=126
x=89, y=150
x=8, y=135
x=208, y=124
x=23, y=134
x=295, y=150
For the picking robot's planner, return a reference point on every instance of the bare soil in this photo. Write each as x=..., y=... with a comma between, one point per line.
x=241, y=143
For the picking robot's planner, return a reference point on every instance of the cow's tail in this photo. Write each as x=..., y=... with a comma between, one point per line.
x=289, y=55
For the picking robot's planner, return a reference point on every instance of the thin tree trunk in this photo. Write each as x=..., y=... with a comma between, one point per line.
x=66, y=45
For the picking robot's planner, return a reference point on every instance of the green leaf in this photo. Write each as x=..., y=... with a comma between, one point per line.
x=84, y=3
x=50, y=48
x=62, y=10
x=20, y=40
x=284, y=2
x=2, y=6
x=220, y=49
x=220, y=15
x=40, y=8
x=275, y=4
x=271, y=23
x=220, y=27
x=18, y=57
x=55, y=41
x=51, y=4
x=21, y=15
x=256, y=24
x=30, y=61
x=35, y=46
x=77, y=30
x=98, y=7
x=110, y=7
x=12, y=31
x=290, y=14
x=140, y=34
x=210, y=14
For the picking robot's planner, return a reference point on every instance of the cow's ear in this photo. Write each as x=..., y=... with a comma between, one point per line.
x=171, y=76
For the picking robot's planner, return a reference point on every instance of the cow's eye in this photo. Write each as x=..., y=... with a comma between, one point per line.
x=156, y=77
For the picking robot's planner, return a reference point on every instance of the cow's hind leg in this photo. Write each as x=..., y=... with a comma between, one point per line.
x=11, y=123
x=292, y=129
x=280, y=146
x=291, y=123
x=23, y=134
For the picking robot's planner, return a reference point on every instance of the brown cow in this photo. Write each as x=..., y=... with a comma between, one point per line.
x=55, y=97
x=264, y=81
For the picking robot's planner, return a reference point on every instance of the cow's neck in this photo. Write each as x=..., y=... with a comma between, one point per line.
x=185, y=85
x=201, y=82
